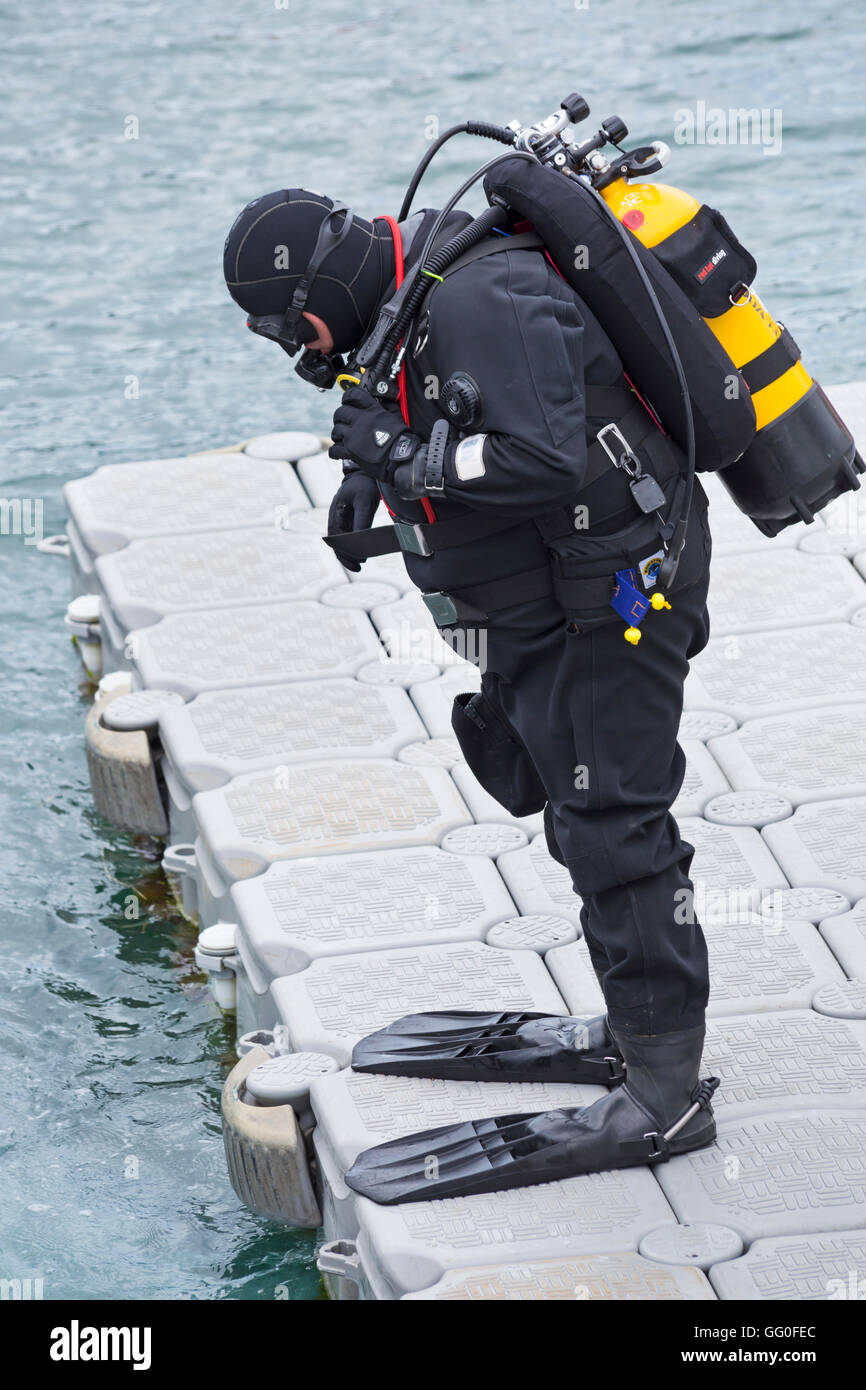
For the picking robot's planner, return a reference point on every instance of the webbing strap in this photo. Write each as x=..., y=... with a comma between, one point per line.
x=491, y=245
x=365, y=545
x=770, y=364
x=419, y=538
x=482, y=600
x=636, y=424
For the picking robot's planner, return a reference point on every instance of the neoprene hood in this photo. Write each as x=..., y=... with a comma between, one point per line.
x=269, y=247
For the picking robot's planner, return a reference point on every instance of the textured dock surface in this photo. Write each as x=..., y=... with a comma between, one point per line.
x=313, y=764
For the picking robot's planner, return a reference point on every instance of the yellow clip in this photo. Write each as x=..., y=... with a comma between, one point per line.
x=659, y=601
x=633, y=635
x=346, y=376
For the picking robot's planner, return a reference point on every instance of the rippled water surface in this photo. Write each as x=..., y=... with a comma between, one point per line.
x=112, y=1182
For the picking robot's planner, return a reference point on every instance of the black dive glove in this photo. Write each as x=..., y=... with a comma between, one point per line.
x=352, y=508
x=371, y=434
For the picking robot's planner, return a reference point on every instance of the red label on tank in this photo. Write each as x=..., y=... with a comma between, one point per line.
x=634, y=218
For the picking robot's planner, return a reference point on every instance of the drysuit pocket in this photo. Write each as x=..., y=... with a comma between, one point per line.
x=500, y=763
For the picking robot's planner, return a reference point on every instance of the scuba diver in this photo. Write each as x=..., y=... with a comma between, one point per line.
x=522, y=422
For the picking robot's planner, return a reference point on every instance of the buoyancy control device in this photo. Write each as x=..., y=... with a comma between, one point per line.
x=802, y=454
x=576, y=228
x=671, y=286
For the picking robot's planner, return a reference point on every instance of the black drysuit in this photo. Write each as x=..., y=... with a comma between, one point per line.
x=597, y=717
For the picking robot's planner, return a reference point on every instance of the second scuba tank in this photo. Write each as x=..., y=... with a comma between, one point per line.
x=803, y=455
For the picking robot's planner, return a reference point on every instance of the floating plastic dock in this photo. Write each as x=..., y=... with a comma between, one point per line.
x=289, y=724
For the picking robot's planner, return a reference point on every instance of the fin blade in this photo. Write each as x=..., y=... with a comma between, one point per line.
x=406, y=1046
x=449, y=1161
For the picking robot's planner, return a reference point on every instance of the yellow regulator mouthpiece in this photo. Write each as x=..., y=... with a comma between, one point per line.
x=346, y=379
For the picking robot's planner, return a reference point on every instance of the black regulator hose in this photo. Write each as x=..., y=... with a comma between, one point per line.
x=483, y=128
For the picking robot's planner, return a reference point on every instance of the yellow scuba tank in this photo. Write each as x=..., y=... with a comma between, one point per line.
x=803, y=455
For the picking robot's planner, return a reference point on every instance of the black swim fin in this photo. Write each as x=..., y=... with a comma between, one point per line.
x=494, y=1047
x=492, y=1155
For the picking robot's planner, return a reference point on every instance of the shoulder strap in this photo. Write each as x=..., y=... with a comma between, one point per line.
x=489, y=247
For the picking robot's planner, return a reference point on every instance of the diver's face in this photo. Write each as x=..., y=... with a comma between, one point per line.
x=324, y=342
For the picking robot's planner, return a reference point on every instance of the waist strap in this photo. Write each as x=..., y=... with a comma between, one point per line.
x=636, y=425
x=481, y=601
x=419, y=538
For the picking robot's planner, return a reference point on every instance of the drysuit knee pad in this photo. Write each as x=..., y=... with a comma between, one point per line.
x=500, y=763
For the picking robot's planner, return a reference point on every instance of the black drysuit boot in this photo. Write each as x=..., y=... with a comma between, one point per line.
x=662, y=1084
